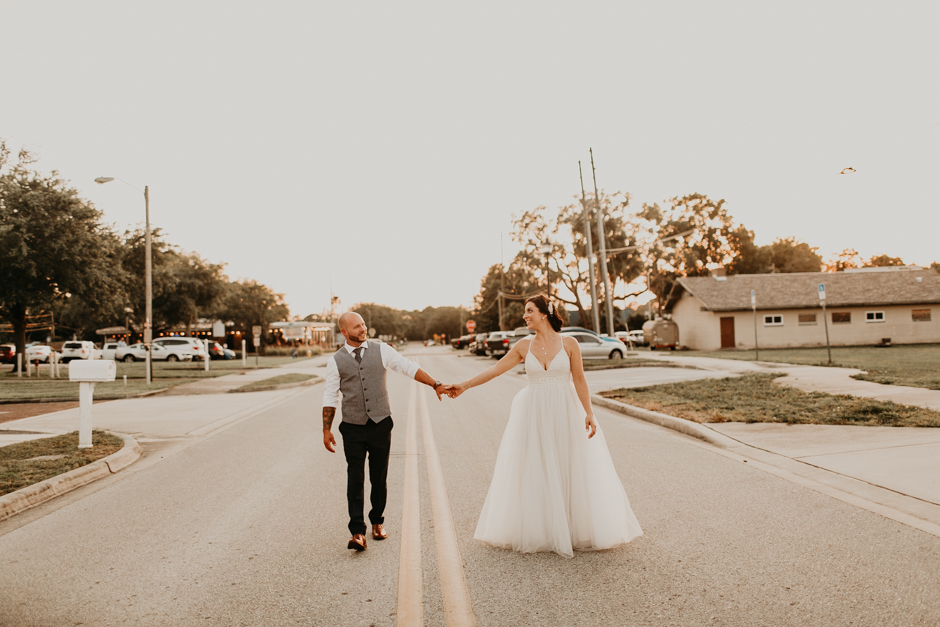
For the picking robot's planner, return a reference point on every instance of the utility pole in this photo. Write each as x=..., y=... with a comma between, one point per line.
x=501, y=273
x=608, y=293
x=590, y=253
x=148, y=290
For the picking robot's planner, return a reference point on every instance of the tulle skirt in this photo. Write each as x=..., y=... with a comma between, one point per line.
x=554, y=489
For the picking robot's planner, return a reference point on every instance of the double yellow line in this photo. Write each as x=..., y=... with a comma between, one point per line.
x=458, y=611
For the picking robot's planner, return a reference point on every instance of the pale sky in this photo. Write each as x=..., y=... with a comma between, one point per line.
x=385, y=145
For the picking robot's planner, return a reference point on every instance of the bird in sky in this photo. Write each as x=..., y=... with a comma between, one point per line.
x=847, y=170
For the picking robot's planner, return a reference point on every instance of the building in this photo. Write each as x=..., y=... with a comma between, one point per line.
x=899, y=305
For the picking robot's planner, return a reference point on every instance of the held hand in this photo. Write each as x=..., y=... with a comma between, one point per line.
x=455, y=390
x=590, y=425
x=329, y=441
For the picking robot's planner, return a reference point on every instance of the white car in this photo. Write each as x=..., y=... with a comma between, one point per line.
x=79, y=350
x=138, y=352
x=39, y=352
x=109, y=349
x=180, y=345
x=594, y=347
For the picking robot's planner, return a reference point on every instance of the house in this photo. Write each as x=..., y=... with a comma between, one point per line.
x=899, y=305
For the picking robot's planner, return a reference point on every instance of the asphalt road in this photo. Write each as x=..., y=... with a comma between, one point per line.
x=248, y=527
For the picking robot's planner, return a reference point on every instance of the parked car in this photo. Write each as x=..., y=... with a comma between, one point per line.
x=109, y=349
x=79, y=350
x=595, y=347
x=40, y=353
x=7, y=353
x=181, y=346
x=661, y=334
x=497, y=344
x=217, y=351
x=631, y=337
x=478, y=345
x=577, y=330
x=461, y=342
x=138, y=352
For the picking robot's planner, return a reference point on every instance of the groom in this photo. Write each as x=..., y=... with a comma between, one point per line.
x=357, y=370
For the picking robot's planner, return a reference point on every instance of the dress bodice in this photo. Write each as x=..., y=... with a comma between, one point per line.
x=557, y=373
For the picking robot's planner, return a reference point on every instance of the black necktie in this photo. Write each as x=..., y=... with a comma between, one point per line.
x=357, y=353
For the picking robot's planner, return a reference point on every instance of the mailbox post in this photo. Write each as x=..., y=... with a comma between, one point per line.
x=87, y=373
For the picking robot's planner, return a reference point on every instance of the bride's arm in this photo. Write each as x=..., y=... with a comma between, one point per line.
x=580, y=384
x=515, y=355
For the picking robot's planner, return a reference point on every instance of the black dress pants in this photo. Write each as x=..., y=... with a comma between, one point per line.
x=375, y=441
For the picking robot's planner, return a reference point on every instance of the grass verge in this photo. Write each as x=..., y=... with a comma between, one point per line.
x=755, y=398
x=26, y=463
x=281, y=379
x=915, y=365
x=629, y=362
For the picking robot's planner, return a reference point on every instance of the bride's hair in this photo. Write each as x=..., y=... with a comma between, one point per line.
x=548, y=308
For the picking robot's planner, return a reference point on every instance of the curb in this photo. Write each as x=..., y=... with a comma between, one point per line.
x=38, y=493
x=283, y=386
x=670, y=422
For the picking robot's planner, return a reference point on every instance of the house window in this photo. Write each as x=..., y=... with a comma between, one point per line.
x=874, y=316
x=775, y=320
x=807, y=319
x=920, y=315
x=841, y=317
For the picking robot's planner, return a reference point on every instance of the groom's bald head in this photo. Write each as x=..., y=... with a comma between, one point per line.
x=353, y=327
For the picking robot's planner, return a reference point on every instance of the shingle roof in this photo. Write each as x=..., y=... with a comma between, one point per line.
x=798, y=290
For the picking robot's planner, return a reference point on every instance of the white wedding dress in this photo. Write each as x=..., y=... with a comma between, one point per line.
x=554, y=489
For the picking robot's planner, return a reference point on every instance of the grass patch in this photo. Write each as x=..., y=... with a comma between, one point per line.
x=755, y=398
x=915, y=365
x=19, y=466
x=629, y=362
x=281, y=379
x=165, y=375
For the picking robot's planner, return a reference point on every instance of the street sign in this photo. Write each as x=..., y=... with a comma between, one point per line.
x=471, y=325
x=372, y=332
x=822, y=291
x=256, y=330
x=256, y=341
x=753, y=299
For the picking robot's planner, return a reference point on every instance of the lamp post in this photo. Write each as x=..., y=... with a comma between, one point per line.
x=148, y=275
x=546, y=249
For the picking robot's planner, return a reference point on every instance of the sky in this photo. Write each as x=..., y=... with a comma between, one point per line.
x=380, y=149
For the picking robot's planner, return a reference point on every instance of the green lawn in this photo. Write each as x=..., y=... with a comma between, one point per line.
x=165, y=375
x=19, y=466
x=755, y=398
x=916, y=365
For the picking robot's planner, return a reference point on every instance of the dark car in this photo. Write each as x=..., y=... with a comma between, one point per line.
x=7, y=354
x=217, y=351
x=461, y=342
x=478, y=345
x=497, y=344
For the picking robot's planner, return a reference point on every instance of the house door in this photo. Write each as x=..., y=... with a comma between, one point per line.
x=727, y=332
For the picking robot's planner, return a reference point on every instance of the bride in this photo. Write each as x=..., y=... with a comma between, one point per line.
x=554, y=486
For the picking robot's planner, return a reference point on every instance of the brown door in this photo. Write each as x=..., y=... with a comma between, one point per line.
x=727, y=332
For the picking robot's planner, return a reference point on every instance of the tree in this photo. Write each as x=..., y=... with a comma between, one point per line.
x=789, y=255
x=935, y=266
x=385, y=320
x=249, y=303
x=845, y=260
x=52, y=245
x=883, y=261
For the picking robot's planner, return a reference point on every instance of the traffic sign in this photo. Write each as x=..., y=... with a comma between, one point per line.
x=822, y=291
x=256, y=330
x=471, y=325
x=372, y=332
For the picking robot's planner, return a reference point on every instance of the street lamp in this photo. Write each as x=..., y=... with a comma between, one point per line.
x=546, y=249
x=148, y=274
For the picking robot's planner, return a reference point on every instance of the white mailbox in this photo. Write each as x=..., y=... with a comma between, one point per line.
x=87, y=373
x=97, y=371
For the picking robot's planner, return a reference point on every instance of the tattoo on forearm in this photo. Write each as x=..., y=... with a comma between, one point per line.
x=328, y=413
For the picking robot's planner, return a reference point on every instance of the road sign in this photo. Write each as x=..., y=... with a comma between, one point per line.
x=822, y=291
x=256, y=330
x=471, y=325
x=753, y=299
x=372, y=332
x=256, y=341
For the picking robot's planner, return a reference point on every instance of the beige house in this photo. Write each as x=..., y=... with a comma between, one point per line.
x=864, y=306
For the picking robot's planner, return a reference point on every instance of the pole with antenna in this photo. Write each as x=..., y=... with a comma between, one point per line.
x=608, y=293
x=590, y=253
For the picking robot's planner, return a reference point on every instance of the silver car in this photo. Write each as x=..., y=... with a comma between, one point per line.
x=138, y=352
x=596, y=347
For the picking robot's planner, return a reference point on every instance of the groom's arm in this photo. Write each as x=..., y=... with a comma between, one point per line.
x=330, y=400
x=394, y=360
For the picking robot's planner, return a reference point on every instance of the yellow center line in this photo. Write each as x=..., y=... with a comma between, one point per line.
x=458, y=611
x=410, y=583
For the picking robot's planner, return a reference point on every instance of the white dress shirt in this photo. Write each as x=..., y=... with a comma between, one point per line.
x=391, y=359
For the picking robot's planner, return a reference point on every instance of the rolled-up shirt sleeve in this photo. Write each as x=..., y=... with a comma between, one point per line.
x=331, y=388
x=394, y=360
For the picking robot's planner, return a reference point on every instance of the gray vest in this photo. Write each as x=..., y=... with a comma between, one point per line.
x=365, y=395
